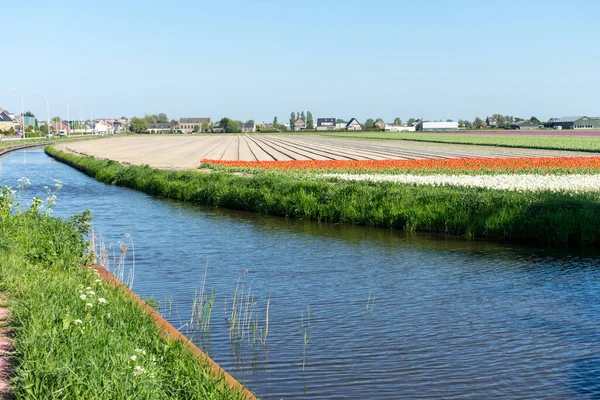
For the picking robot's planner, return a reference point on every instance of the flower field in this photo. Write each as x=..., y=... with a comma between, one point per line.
x=562, y=165
x=571, y=174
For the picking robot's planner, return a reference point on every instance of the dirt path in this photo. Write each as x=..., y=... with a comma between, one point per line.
x=185, y=152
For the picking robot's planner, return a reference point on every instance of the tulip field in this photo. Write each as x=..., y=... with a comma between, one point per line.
x=559, y=174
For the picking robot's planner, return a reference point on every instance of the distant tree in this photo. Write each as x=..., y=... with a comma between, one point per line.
x=29, y=114
x=535, y=120
x=206, y=127
x=55, y=119
x=449, y=120
x=196, y=129
x=275, y=123
x=517, y=119
x=369, y=124
x=303, y=117
x=44, y=129
x=138, y=125
x=250, y=121
x=151, y=119
x=162, y=118
x=125, y=118
x=411, y=122
x=230, y=126
x=479, y=123
x=341, y=121
x=468, y=125
x=282, y=128
x=397, y=121
x=292, y=119
x=309, y=120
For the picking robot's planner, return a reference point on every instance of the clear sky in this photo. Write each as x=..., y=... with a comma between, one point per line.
x=432, y=59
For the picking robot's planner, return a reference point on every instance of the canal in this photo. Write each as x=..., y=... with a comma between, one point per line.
x=354, y=312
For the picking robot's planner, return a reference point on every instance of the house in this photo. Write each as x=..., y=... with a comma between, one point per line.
x=186, y=125
x=525, y=125
x=248, y=127
x=379, y=124
x=353, y=125
x=576, y=123
x=399, y=128
x=102, y=127
x=6, y=121
x=428, y=126
x=340, y=125
x=60, y=126
x=299, y=125
x=326, y=124
x=161, y=127
x=492, y=121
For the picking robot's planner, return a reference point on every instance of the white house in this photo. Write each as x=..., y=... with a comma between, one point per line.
x=103, y=128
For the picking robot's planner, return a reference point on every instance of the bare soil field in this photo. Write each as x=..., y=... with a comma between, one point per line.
x=185, y=152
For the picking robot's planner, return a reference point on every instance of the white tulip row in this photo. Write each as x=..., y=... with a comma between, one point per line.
x=530, y=182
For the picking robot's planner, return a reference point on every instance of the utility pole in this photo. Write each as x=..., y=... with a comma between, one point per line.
x=68, y=121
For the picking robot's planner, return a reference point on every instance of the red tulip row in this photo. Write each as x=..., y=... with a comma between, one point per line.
x=572, y=164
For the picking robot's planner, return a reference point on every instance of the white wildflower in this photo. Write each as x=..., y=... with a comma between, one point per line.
x=89, y=305
x=83, y=297
x=140, y=351
x=133, y=357
x=102, y=300
x=98, y=281
x=78, y=321
x=88, y=288
x=91, y=293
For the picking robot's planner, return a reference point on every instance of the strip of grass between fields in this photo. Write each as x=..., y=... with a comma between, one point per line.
x=541, y=217
x=75, y=336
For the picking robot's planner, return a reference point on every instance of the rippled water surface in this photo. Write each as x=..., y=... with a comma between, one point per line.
x=451, y=319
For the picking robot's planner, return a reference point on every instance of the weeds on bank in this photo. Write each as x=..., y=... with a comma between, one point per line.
x=75, y=336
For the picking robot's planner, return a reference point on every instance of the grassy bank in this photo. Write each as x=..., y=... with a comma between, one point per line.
x=550, y=142
x=76, y=337
x=542, y=217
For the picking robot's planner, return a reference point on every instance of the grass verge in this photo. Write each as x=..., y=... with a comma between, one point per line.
x=76, y=337
x=542, y=217
x=549, y=142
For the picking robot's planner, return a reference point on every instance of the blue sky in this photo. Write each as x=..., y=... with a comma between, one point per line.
x=256, y=59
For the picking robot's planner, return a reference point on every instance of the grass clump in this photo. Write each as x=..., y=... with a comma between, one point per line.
x=76, y=337
x=542, y=217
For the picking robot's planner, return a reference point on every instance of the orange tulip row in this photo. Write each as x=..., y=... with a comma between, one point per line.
x=573, y=164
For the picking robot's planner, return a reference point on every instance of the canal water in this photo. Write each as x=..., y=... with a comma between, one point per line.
x=354, y=312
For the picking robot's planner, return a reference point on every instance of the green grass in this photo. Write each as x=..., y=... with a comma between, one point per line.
x=542, y=217
x=553, y=142
x=67, y=349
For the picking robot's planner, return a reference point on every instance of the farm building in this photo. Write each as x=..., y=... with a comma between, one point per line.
x=186, y=125
x=399, y=128
x=436, y=126
x=525, y=126
x=576, y=123
x=379, y=124
x=159, y=127
x=326, y=124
